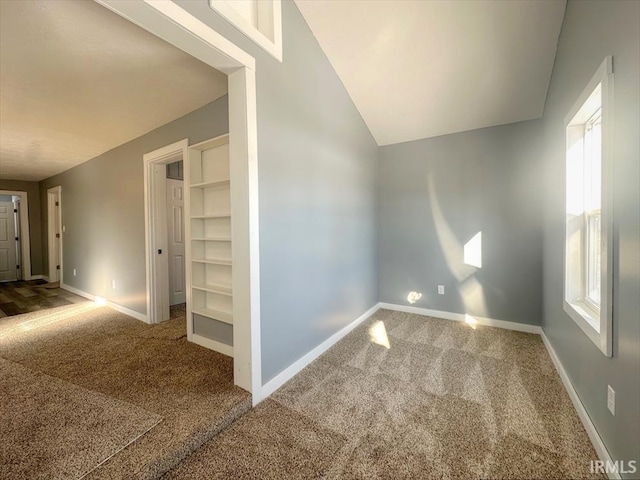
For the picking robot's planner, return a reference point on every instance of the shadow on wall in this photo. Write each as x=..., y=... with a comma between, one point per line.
x=464, y=262
x=462, y=212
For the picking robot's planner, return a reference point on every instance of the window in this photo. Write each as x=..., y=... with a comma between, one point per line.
x=587, y=286
x=259, y=20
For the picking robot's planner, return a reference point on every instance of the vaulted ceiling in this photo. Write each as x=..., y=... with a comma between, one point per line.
x=77, y=80
x=422, y=68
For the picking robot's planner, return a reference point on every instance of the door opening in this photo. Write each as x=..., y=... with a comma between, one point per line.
x=175, y=234
x=164, y=229
x=15, y=251
x=9, y=261
x=54, y=226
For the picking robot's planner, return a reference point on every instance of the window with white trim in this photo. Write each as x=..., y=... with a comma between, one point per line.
x=587, y=285
x=259, y=20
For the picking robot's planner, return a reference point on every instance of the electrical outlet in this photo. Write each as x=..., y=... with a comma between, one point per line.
x=440, y=289
x=64, y=228
x=611, y=400
x=113, y=284
x=74, y=272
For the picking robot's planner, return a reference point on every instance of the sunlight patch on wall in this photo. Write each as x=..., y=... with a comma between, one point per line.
x=413, y=297
x=378, y=334
x=473, y=251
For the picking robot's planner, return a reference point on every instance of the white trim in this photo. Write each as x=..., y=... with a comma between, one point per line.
x=460, y=317
x=127, y=311
x=292, y=370
x=164, y=155
x=212, y=344
x=39, y=277
x=25, y=243
x=245, y=231
x=598, y=444
x=51, y=234
x=268, y=11
x=173, y=24
x=602, y=336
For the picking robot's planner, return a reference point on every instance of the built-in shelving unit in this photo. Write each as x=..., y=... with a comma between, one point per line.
x=209, y=254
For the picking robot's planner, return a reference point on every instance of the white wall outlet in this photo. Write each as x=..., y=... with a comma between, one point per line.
x=74, y=272
x=611, y=400
x=64, y=228
x=113, y=284
x=440, y=289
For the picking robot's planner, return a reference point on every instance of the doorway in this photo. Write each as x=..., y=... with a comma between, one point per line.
x=15, y=250
x=170, y=22
x=164, y=231
x=54, y=229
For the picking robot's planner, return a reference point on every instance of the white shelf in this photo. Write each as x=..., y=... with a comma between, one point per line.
x=212, y=239
x=219, y=289
x=209, y=253
x=212, y=261
x=214, y=215
x=218, y=183
x=219, y=315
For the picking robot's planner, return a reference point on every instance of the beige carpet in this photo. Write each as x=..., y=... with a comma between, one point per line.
x=152, y=367
x=404, y=397
x=56, y=430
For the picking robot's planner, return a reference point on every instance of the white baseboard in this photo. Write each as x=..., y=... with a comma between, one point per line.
x=212, y=344
x=287, y=374
x=119, y=308
x=459, y=317
x=598, y=444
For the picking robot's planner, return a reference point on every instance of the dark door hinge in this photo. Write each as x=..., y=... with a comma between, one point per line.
x=57, y=235
x=15, y=210
x=17, y=267
x=57, y=204
x=17, y=239
x=57, y=267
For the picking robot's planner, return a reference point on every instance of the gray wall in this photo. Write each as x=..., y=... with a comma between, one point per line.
x=35, y=232
x=592, y=30
x=103, y=209
x=317, y=194
x=435, y=194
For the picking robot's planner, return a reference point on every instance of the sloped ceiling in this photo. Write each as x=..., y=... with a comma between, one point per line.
x=76, y=80
x=419, y=69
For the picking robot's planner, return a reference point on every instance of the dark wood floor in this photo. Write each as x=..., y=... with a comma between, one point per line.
x=23, y=297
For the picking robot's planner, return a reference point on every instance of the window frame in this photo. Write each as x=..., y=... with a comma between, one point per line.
x=595, y=322
x=268, y=32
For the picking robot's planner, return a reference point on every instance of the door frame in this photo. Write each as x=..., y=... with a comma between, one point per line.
x=155, y=214
x=51, y=234
x=25, y=242
x=170, y=22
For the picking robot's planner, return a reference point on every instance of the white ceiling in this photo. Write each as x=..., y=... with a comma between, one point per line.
x=77, y=80
x=418, y=69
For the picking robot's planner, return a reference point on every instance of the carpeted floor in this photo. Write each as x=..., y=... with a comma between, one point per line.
x=405, y=396
x=17, y=298
x=56, y=430
x=151, y=367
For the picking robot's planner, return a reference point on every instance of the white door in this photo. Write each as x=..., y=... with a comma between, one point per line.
x=53, y=195
x=175, y=226
x=8, y=265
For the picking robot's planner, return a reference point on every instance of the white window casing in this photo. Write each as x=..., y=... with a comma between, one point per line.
x=258, y=20
x=588, y=293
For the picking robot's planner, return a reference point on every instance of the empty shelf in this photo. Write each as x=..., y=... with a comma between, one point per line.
x=219, y=315
x=214, y=288
x=212, y=261
x=217, y=183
